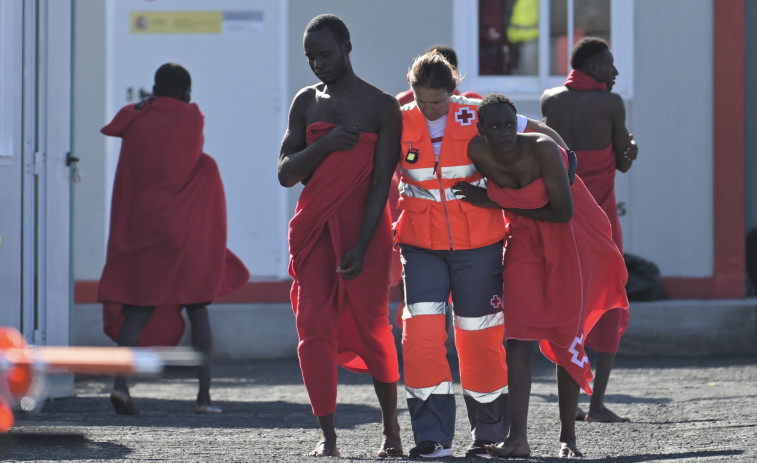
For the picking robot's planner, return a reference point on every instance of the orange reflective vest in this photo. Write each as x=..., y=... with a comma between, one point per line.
x=432, y=217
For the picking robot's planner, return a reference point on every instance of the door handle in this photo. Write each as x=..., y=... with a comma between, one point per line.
x=73, y=163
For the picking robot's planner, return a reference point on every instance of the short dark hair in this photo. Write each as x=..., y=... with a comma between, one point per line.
x=171, y=79
x=491, y=100
x=585, y=49
x=446, y=51
x=432, y=70
x=331, y=22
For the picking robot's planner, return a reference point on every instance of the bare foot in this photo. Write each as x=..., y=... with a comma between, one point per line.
x=392, y=444
x=325, y=449
x=569, y=450
x=510, y=448
x=122, y=403
x=580, y=414
x=605, y=416
x=390, y=451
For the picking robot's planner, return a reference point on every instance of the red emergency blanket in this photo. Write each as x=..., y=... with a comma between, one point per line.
x=167, y=242
x=597, y=169
x=559, y=277
x=338, y=320
x=579, y=80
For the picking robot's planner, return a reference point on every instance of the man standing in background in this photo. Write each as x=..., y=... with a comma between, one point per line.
x=592, y=121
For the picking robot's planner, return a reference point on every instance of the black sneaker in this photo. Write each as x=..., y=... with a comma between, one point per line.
x=430, y=449
x=477, y=449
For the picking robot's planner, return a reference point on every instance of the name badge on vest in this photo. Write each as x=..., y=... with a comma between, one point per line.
x=412, y=155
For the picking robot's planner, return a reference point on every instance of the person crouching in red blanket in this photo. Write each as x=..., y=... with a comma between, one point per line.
x=561, y=272
x=342, y=141
x=167, y=242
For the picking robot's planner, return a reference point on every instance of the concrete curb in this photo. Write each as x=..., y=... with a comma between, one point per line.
x=684, y=328
x=691, y=328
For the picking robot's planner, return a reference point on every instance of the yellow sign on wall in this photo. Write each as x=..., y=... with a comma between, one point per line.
x=176, y=22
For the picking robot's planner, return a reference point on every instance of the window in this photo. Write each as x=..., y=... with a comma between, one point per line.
x=521, y=47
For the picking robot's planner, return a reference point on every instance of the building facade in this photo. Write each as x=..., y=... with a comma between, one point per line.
x=684, y=67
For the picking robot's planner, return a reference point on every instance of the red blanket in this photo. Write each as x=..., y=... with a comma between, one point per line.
x=167, y=242
x=559, y=277
x=579, y=80
x=339, y=320
x=597, y=169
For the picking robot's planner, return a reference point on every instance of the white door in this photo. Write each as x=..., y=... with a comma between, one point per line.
x=35, y=112
x=235, y=53
x=11, y=161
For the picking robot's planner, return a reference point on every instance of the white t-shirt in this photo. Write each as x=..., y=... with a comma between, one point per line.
x=522, y=121
x=436, y=132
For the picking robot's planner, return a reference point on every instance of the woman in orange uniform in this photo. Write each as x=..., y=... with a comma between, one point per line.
x=448, y=247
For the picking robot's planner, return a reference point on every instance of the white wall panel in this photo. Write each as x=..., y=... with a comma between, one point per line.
x=669, y=190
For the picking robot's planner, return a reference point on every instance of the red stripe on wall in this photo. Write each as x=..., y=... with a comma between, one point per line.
x=729, y=162
x=704, y=288
x=729, y=111
x=85, y=292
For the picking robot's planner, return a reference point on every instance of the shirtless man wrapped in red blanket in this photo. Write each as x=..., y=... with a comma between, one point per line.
x=167, y=242
x=561, y=273
x=342, y=142
x=592, y=121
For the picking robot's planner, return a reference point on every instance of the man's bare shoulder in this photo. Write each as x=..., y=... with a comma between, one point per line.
x=381, y=102
x=553, y=92
x=379, y=95
x=613, y=98
x=608, y=102
x=532, y=137
x=388, y=101
x=306, y=95
x=478, y=142
x=537, y=142
x=552, y=96
x=478, y=148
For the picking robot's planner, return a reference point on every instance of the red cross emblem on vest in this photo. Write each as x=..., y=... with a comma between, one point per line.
x=496, y=302
x=465, y=116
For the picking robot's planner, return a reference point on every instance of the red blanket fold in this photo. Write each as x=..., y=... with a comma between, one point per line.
x=167, y=242
x=326, y=224
x=597, y=169
x=559, y=277
x=579, y=80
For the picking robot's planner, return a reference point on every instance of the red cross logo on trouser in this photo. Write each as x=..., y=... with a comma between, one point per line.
x=496, y=302
x=465, y=116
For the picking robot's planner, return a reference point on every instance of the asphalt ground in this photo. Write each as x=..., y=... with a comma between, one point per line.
x=681, y=410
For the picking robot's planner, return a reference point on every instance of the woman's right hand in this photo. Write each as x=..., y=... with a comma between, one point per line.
x=474, y=195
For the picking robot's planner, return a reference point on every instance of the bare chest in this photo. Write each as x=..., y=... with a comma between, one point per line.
x=360, y=112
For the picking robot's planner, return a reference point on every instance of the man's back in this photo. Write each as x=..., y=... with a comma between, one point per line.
x=584, y=119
